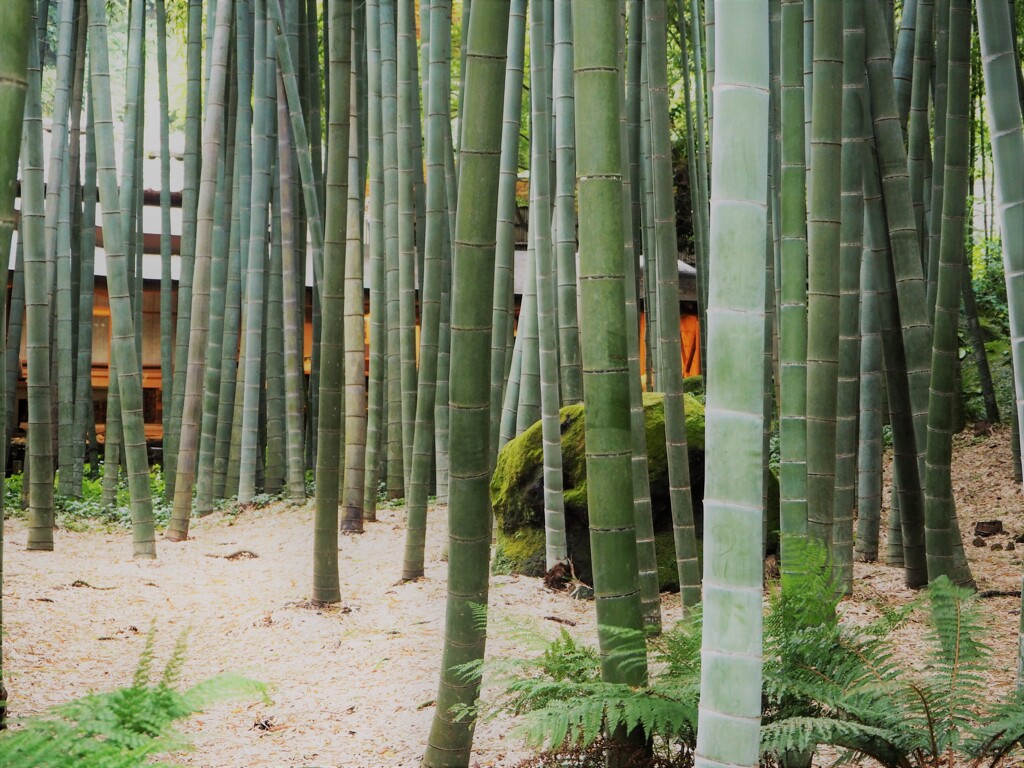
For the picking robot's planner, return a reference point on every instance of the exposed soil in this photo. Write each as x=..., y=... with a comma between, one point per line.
x=353, y=684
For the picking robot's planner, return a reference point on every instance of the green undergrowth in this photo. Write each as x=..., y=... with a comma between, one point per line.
x=827, y=682
x=87, y=511
x=125, y=728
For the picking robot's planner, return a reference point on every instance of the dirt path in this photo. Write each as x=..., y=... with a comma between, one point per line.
x=353, y=686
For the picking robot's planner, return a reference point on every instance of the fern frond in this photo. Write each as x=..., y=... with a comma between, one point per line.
x=125, y=728
x=957, y=657
x=1002, y=734
x=803, y=734
x=607, y=707
x=172, y=671
x=143, y=672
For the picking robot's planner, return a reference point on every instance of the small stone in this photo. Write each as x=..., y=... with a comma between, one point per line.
x=988, y=527
x=996, y=547
x=978, y=541
x=1010, y=546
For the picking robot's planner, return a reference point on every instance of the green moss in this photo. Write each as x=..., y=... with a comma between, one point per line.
x=654, y=424
x=520, y=552
x=574, y=458
x=520, y=460
x=694, y=385
x=517, y=488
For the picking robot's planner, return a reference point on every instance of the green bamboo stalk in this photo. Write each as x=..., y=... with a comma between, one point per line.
x=189, y=200
x=931, y=249
x=918, y=128
x=903, y=59
x=64, y=362
x=407, y=115
x=703, y=195
x=730, y=701
x=511, y=399
x=85, y=416
x=665, y=256
x=698, y=204
x=15, y=21
x=941, y=531
x=438, y=106
x=65, y=56
x=274, y=399
x=609, y=446
x=225, y=228
x=375, y=426
x=808, y=52
x=556, y=548
x=469, y=515
x=908, y=502
x=326, y=586
x=823, y=242
x=15, y=327
x=239, y=244
x=112, y=439
x=650, y=281
x=293, y=384
x=213, y=126
x=632, y=59
x=977, y=340
x=467, y=8
x=355, y=333
x=166, y=296
x=389, y=122
x=793, y=293
x=255, y=281
x=869, y=443
x=892, y=161
x=37, y=318
x=570, y=375
x=58, y=246
x=529, y=410
x=709, y=69
x=647, y=556
x=123, y=339
x=854, y=137
x=501, y=318
x=442, y=414
x=310, y=181
x=418, y=105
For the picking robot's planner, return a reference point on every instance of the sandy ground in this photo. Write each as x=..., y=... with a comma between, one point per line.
x=352, y=685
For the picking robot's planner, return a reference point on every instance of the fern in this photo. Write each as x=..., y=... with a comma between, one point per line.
x=825, y=683
x=857, y=696
x=564, y=706
x=1002, y=733
x=124, y=728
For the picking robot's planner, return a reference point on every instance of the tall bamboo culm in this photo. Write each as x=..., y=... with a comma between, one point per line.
x=423, y=440
x=600, y=168
x=38, y=452
x=1004, y=122
x=730, y=702
x=123, y=338
x=213, y=127
x=326, y=587
x=469, y=514
x=15, y=36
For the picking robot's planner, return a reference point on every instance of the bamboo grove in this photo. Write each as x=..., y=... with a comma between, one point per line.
x=358, y=164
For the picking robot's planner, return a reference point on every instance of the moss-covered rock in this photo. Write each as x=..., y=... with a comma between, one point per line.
x=517, y=490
